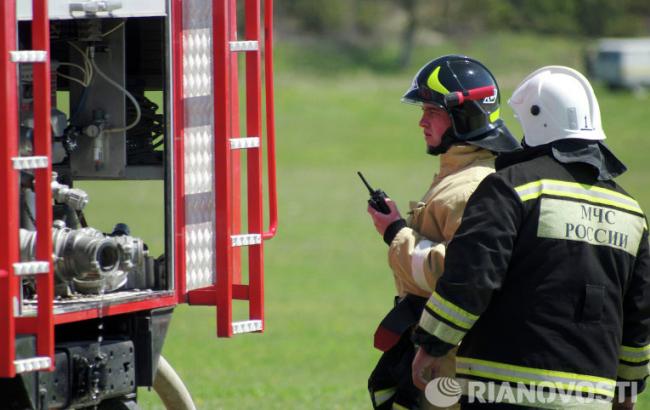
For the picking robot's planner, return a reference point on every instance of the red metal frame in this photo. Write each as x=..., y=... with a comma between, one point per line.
x=270, y=119
x=227, y=174
x=179, y=157
x=9, y=251
x=116, y=309
x=42, y=180
x=226, y=171
x=235, y=163
x=222, y=169
x=43, y=325
x=254, y=162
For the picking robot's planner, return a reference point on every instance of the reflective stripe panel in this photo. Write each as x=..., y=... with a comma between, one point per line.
x=590, y=193
x=634, y=354
x=593, y=224
x=451, y=312
x=528, y=397
x=418, y=257
x=382, y=396
x=399, y=407
x=529, y=375
x=434, y=82
x=495, y=115
x=440, y=329
x=633, y=372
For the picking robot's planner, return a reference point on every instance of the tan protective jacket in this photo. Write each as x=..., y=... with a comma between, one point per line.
x=417, y=253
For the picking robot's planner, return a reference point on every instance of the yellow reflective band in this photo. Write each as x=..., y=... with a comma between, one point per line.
x=399, y=407
x=440, y=330
x=451, y=312
x=589, y=193
x=633, y=372
x=634, y=354
x=382, y=396
x=530, y=375
x=434, y=82
x=495, y=115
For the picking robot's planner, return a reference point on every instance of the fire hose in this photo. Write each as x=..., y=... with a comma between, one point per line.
x=170, y=388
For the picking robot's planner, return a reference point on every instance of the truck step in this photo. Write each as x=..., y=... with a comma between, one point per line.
x=30, y=162
x=31, y=268
x=246, y=240
x=243, y=143
x=244, y=45
x=246, y=326
x=32, y=364
x=28, y=56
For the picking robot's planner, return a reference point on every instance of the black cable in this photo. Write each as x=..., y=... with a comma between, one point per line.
x=143, y=139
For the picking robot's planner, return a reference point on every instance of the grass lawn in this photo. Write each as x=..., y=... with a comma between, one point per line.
x=327, y=281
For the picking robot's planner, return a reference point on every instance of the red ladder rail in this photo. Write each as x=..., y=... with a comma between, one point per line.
x=270, y=120
x=254, y=162
x=42, y=326
x=9, y=250
x=180, y=279
x=223, y=176
x=43, y=183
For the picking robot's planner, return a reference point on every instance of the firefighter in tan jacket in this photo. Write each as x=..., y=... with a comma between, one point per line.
x=461, y=123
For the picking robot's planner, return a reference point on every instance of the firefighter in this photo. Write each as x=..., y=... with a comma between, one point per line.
x=465, y=134
x=547, y=281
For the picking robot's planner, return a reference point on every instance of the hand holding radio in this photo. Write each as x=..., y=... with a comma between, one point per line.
x=381, y=208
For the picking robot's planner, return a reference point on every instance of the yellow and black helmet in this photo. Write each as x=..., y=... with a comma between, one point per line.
x=469, y=93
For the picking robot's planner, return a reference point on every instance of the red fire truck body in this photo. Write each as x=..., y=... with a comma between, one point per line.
x=127, y=90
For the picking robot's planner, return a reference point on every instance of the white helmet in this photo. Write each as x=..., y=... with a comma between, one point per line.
x=555, y=103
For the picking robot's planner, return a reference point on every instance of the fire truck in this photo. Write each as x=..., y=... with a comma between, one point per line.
x=128, y=91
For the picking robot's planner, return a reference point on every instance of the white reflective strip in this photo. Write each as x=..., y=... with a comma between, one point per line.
x=534, y=396
x=31, y=268
x=28, y=56
x=246, y=326
x=32, y=364
x=30, y=162
x=439, y=329
x=242, y=143
x=244, y=45
x=246, y=240
x=418, y=257
x=634, y=354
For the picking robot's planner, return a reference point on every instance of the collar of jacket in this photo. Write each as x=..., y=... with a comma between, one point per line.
x=593, y=153
x=460, y=156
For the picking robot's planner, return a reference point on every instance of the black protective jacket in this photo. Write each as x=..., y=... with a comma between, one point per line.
x=547, y=280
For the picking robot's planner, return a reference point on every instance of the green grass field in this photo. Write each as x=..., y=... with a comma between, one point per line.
x=327, y=281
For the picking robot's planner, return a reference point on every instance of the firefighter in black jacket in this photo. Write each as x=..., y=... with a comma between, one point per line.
x=547, y=280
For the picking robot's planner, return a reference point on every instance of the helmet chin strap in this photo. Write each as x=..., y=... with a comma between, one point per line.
x=448, y=139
